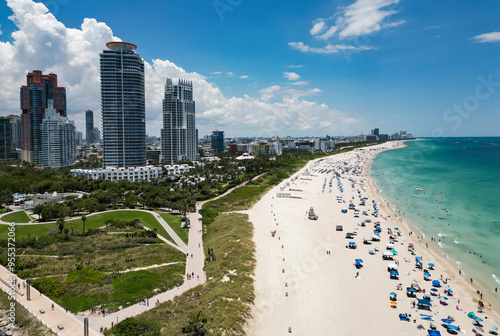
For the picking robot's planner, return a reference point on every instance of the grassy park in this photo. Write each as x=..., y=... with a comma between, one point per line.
x=81, y=271
x=94, y=222
x=16, y=217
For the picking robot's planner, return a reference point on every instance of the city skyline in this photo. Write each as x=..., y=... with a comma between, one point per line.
x=324, y=68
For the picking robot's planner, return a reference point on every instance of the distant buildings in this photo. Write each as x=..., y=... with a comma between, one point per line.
x=217, y=140
x=5, y=139
x=57, y=139
x=39, y=89
x=123, y=106
x=92, y=134
x=179, y=138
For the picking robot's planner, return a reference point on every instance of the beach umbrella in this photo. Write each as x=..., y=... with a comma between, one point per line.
x=427, y=275
x=447, y=288
x=471, y=315
x=452, y=327
x=430, y=264
x=393, y=294
x=358, y=260
x=478, y=319
x=434, y=289
x=436, y=283
x=444, y=298
x=447, y=321
x=394, y=251
x=494, y=327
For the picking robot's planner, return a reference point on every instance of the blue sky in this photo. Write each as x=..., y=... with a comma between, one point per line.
x=308, y=68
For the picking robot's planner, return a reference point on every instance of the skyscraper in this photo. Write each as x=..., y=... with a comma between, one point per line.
x=123, y=106
x=35, y=95
x=58, y=140
x=178, y=135
x=217, y=140
x=89, y=126
x=17, y=130
x=5, y=139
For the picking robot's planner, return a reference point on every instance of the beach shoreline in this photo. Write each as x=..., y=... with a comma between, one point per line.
x=303, y=273
x=435, y=250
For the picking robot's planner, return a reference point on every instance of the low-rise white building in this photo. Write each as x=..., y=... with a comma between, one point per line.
x=132, y=174
x=178, y=169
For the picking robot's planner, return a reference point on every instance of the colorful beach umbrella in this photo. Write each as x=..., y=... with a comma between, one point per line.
x=427, y=275
x=444, y=298
x=393, y=294
x=471, y=315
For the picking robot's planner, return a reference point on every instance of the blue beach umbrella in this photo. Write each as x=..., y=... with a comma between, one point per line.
x=430, y=264
x=478, y=319
x=434, y=289
x=452, y=327
x=427, y=275
x=447, y=321
x=494, y=327
x=444, y=298
x=436, y=283
x=471, y=315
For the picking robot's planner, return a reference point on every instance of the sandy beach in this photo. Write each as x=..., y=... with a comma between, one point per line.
x=306, y=281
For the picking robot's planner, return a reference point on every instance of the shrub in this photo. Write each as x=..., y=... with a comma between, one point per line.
x=50, y=286
x=135, y=327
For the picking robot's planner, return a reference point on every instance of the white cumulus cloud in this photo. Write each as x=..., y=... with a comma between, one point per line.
x=41, y=42
x=329, y=49
x=488, y=37
x=363, y=17
x=244, y=76
x=291, y=75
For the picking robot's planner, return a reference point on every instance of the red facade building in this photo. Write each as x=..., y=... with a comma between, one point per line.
x=34, y=98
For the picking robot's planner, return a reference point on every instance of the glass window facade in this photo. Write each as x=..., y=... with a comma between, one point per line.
x=123, y=107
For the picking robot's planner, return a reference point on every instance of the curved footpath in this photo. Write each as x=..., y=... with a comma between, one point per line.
x=73, y=324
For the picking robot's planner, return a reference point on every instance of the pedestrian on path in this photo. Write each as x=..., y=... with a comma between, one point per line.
x=52, y=307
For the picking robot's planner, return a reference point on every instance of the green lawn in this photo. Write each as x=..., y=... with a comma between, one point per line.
x=92, y=222
x=175, y=223
x=16, y=217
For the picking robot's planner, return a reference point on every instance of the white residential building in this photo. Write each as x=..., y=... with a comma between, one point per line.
x=58, y=139
x=132, y=174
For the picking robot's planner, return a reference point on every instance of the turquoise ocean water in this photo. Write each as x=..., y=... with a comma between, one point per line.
x=450, y=190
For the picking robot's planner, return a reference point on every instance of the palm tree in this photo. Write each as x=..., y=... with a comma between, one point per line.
x=196, y=324
x=84, y=218
x=60, y=223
